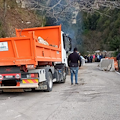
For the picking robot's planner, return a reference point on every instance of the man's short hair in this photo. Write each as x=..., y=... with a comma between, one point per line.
x=75, y=49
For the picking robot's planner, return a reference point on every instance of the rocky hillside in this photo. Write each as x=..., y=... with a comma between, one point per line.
x=12, y=16
x=92, y=24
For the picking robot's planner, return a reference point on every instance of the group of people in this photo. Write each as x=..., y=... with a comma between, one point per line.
x=93, y=58
x=74, y=62
x=89, y=58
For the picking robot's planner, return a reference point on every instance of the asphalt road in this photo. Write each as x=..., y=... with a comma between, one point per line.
x=97, y=97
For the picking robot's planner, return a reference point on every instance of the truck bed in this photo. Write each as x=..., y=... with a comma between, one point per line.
x=26, y=50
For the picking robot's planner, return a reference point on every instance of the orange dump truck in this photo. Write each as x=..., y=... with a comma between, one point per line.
x=34, y=59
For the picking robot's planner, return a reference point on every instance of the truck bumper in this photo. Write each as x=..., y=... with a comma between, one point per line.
x=28, y=85
x=23, y=85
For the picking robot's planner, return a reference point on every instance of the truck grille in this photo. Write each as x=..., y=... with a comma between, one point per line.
x=9, y=83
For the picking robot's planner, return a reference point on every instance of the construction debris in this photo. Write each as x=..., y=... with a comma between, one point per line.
x=42, y=41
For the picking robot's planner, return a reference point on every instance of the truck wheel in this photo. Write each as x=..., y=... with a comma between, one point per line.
x=49, y=82
x=64, y=77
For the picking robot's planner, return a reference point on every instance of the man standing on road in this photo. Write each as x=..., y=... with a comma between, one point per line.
x=118, y=58
x=73, y=59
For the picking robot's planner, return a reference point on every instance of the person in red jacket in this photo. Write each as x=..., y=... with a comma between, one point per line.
x=73, y=59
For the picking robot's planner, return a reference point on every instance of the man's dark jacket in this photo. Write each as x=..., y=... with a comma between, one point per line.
x=73, y=59
x=118, y=57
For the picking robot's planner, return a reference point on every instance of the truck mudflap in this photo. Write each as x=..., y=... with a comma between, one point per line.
x=13, y=90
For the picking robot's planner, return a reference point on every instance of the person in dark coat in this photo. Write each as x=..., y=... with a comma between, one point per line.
x=118, y=58
x=85, y=58
x=96, y=57
x=73, y=59
x=91, y=58
x=88, y=58
x=101, y=56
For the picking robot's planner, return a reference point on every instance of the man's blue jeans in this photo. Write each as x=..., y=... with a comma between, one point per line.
x=74, y=70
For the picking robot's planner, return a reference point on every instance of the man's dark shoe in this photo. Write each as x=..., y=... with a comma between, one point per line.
x=76, y=83
x=71, y=83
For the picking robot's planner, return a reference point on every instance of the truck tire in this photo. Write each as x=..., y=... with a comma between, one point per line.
x=64, y=77
x=49, y=82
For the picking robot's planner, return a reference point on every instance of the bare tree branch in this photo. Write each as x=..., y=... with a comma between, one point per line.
x=60, y=10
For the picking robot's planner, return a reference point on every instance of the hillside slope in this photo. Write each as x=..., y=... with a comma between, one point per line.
x=101, y=31
x=12, y=16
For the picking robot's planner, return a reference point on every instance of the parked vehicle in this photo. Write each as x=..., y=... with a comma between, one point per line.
x=34, y=59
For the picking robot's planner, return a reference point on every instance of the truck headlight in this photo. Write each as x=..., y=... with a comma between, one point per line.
x=1, y=77
x=17, y=76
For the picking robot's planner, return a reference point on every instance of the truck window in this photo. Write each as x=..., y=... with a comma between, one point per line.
x=67, y=42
